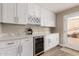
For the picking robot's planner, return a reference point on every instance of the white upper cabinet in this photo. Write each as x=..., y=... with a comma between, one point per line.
x=47, y=18
x=31, y=10
x=9, y=13
x=33, y=14
x=22, y=13
x=34, y=10
x=0, y=12
x=51, y=19
x=37, y=11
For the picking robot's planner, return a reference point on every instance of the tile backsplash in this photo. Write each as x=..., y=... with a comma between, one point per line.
x=38, y=29
x=9, y=28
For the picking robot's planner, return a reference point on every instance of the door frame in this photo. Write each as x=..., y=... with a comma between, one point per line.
x=65, y=18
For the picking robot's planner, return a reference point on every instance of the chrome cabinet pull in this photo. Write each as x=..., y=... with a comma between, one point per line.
x=26, y=40
x=16, y=19
x=21, y=49
x=10, y=43
x=18, y=52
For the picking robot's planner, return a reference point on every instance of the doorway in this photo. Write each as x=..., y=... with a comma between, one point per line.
x=71, y=31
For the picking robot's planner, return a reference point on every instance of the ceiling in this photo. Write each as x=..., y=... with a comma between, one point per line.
x=58, y=7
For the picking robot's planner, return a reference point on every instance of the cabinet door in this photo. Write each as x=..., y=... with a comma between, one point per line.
x=22, y=13
x=47, y=18
x=9, y=12
x=34, y=10
x=44, y=17
x=0, y=12
x=31, y=9
x=11, y=51
x=51, y=19
x=51, y=41
x=37, y=11
x=27, y=47
x=46, y=45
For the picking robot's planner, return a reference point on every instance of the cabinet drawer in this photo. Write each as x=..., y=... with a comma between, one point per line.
x=9, y=43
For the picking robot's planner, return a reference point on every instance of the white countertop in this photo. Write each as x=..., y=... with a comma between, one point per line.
x=19, y=36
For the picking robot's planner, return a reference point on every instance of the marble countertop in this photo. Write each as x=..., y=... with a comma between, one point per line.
x=20, y=36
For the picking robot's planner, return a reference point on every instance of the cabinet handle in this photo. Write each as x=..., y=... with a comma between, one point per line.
x=21, y=49
x=26, y=40
x=18, y=52
x=10, y=43
x=49, y=40
x=16, y=19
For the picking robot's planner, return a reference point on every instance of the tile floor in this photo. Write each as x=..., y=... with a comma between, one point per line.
x=58, y=51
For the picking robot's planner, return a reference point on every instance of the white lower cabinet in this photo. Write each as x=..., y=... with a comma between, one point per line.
x=9, y=48
x=22, y=47
x=51, y=41
x=27, y=47
x=11, y=51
